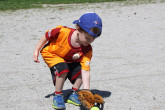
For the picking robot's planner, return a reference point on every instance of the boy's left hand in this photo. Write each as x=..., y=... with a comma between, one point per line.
x=35, y=57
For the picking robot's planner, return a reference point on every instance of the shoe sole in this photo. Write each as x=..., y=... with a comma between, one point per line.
x=58, y=107
x=71, y=102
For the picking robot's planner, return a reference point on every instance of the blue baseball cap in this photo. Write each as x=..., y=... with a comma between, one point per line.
x=88, y=21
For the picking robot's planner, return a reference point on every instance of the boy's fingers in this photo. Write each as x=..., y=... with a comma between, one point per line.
x=35, y=59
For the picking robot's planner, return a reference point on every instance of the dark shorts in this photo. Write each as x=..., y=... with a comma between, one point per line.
x=73, y=70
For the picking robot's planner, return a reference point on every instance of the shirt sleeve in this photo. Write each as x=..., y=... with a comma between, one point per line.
x=53, y=33
x=85, y=62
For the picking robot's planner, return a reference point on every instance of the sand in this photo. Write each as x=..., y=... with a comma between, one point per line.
x=127, y=68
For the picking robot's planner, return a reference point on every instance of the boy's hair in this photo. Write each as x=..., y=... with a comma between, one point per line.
x=95, y=30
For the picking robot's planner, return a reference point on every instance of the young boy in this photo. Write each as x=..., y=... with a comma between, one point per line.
x=68, y=53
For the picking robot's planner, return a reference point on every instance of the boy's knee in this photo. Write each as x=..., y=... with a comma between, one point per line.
x=63, y=75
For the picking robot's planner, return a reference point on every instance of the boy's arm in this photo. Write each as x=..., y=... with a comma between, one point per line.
x=85, y=79
x=85, y=70
x=40, y=44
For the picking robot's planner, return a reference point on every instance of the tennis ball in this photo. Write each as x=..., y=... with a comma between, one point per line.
x=95, y=108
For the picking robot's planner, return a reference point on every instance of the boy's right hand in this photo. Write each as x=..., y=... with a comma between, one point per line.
x=35, y=56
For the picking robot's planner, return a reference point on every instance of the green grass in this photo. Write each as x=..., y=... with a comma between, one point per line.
x=26, y=4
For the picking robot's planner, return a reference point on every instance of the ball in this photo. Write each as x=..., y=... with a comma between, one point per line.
x=95, y=108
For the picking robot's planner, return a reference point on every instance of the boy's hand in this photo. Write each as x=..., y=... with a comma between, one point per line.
x=40, y=44
x=35, y=56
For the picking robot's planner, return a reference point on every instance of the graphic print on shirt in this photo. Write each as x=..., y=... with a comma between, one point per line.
x=77, y=56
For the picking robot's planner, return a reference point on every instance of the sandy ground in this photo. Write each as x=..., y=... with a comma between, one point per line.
x=128, y=66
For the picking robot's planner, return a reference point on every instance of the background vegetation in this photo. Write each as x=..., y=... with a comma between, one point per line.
x=26, y=4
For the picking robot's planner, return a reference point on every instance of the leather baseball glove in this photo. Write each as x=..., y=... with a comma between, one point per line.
x=89, y=99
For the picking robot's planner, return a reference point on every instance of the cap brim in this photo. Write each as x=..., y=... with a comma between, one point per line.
x=76, y=21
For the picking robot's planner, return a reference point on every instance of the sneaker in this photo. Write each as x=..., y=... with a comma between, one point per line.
x=58, y=102
x=73, y=99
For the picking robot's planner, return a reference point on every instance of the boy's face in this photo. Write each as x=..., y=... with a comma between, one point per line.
x=85, y=38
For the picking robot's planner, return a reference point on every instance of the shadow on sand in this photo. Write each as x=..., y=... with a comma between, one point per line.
x=66, y=93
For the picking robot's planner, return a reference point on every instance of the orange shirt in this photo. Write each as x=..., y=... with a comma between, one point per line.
x=59, y=49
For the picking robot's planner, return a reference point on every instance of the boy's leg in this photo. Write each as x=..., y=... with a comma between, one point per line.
x=75, y=77
x=59, y=73
x=60, y=82
x=73, y=97
x=58, y=100
x=78, y=82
